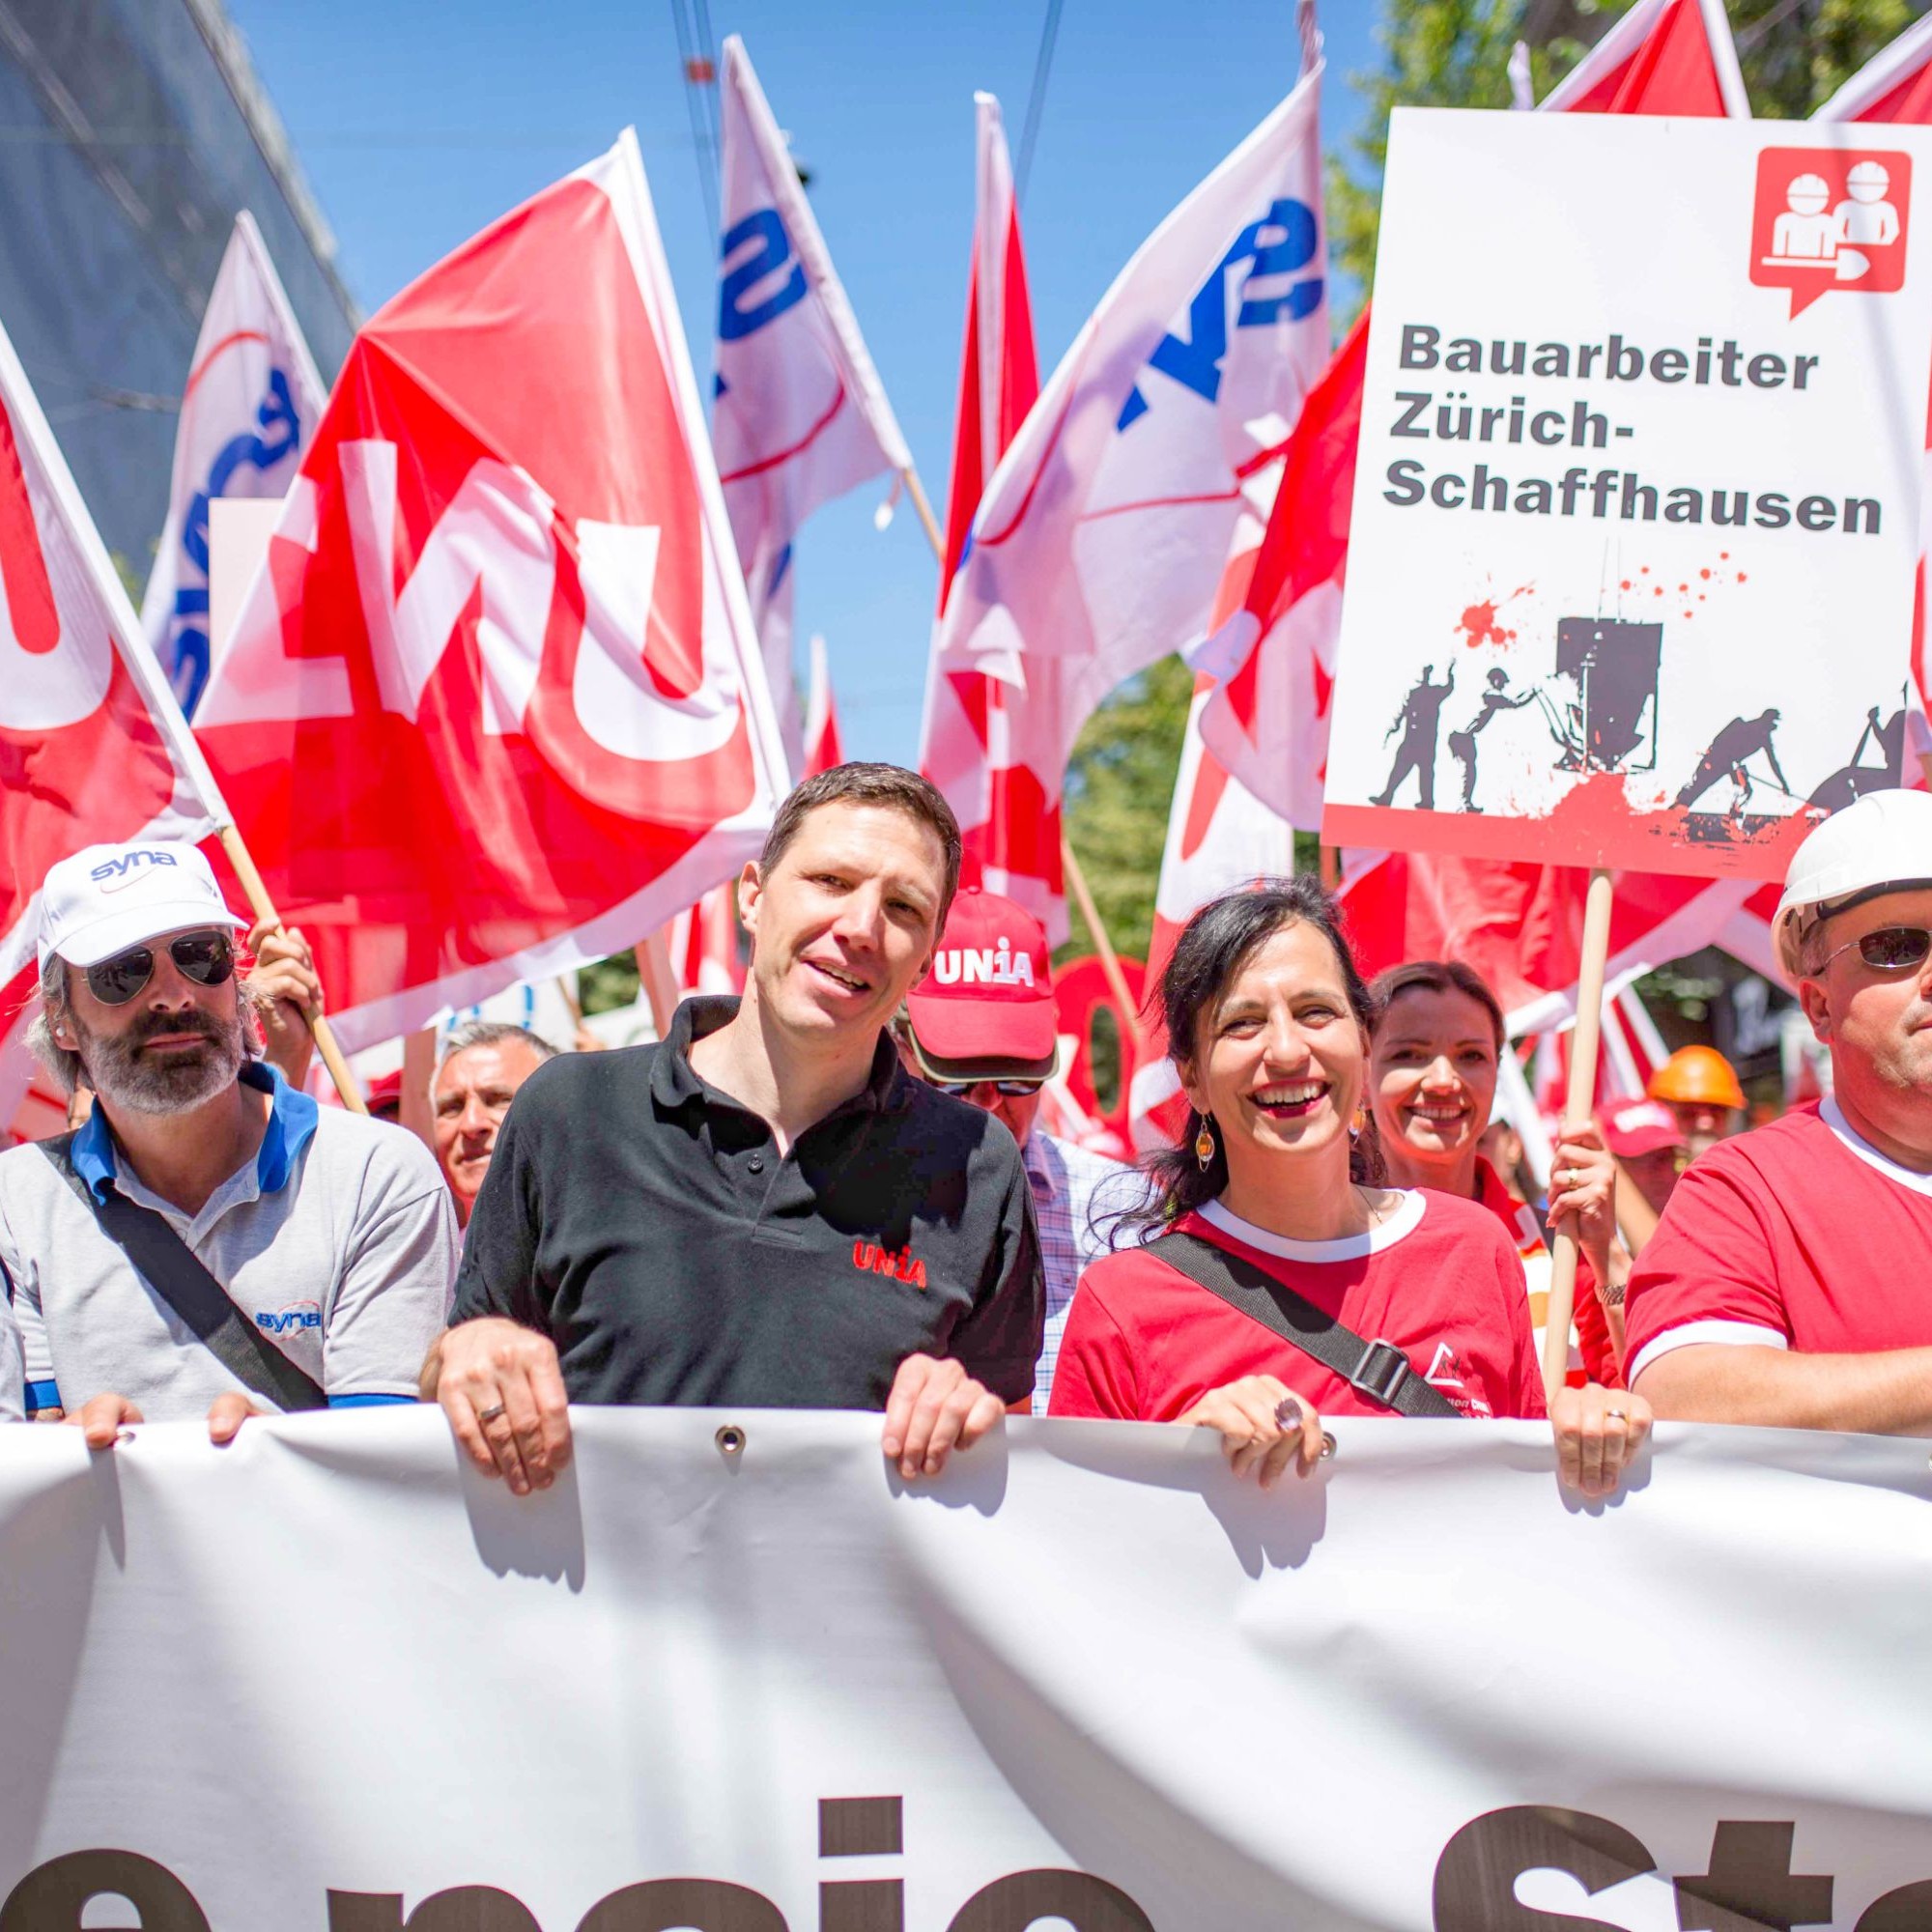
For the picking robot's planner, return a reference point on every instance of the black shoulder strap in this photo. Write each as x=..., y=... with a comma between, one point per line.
x=1379, y=1370
x=179, y=1276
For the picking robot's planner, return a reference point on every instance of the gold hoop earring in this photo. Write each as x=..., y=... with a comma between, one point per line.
x=1203, y=1146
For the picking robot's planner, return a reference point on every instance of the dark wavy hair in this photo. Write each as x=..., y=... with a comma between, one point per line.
x=1439, y=976
x=1213, y=946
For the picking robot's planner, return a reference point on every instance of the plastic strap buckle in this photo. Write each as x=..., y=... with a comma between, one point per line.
x=1381, y=1373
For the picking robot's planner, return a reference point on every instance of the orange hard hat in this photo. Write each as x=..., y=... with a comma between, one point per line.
x=1696, y=1076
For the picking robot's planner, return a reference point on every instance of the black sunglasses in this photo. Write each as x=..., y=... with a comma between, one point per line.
x=207, y=958
x=1890, y=949
x=1006, y=1090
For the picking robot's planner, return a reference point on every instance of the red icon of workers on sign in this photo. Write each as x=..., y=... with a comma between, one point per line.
x=1829, y=218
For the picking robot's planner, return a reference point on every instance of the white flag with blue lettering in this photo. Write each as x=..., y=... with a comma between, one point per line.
x=1102, y=536
x=798, y=415
x=252, y=402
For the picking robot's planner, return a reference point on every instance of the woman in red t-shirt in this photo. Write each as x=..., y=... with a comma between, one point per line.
x=1438, y=1039
x=1268, y=1020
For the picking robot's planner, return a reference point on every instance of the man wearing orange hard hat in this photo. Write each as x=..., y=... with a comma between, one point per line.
x=1700, y=1087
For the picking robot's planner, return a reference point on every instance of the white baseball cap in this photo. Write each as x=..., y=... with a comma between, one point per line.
x=1879, y=844
x=108, y=898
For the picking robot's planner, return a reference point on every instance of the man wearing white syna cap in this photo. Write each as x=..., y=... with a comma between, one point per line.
x=210, y=1241
x=1788, y=1282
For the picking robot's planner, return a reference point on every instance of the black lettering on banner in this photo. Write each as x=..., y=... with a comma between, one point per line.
x=684, y=1905
x=1020, y=1899
x=463, y=1908
x=1750, y=1883
x=862, y=1905
x=54, y=1896
x=1476, y=1875
x=1908, y=1909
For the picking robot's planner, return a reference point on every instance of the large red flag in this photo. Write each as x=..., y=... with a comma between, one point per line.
x=93, y=749
x=494, y=706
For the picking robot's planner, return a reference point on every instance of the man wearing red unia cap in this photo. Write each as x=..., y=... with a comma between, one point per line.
x=982, y=1029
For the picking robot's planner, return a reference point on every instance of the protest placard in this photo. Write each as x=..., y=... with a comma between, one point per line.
x=1636, y=511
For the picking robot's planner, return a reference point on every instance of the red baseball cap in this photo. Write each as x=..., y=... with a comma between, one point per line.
x=1636, y=1127
x=986, y=1007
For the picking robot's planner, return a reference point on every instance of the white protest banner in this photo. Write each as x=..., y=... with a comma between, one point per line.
x=1637, y=510
x=322, y=1681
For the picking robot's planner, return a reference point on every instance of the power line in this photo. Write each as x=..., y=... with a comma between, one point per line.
x=701, y=136
x=1042, y=67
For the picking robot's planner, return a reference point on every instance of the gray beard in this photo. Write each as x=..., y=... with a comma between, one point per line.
x=126, y=1077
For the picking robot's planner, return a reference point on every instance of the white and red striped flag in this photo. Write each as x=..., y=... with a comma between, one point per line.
x=702, y=942
x=93, y=746
x=798, y=415
x=1010, y=826
x=823, y=747
x=1104, y=532
x=494, y=706
x=1895, y=86
x=251, y=404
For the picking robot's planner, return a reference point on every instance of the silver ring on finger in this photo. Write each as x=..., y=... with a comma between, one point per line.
x=1288, y=1412
x=491, y=1414
x=1616, y=1415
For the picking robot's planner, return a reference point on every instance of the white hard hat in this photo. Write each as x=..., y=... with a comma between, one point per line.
x=1881, y=843
x=1868, y=174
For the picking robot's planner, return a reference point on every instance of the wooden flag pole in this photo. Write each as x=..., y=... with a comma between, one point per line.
x=916, y=490
x=264, y=908
x=1110, y=964
x=1577, y=1108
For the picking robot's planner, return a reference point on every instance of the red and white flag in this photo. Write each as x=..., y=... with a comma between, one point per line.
x=798, y=415
x=251, y=404
x=1102, y=537
x=1895, y=86
x=702, y=942
x=93, y=746
x=822, y=746
x=494, y=706
x=1011, y=827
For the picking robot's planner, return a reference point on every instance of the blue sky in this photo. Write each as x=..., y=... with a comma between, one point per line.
x=416, y=124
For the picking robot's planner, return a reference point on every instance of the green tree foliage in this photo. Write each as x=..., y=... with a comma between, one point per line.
x=1455, y=53
x=1120, y=782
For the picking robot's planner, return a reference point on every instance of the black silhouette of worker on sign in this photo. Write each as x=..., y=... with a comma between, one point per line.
x=1741, y=739
x=1854, y=780
x=1463, y=742
x=1419, y=721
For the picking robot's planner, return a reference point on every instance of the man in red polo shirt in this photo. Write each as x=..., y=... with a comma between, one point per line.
x=1787, y=1281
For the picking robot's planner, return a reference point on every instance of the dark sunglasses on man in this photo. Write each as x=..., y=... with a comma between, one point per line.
x=1890, y=948
x=1006, y=1090
x=206, y=956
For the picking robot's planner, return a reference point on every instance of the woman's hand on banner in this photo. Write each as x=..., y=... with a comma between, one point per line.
x=500, y=1386
x=934, y=1407
x=1599, y=1432
x=1265, y=1426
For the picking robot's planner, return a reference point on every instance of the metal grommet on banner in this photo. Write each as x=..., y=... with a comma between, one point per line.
x=1327, y=1447
x=730, y=1441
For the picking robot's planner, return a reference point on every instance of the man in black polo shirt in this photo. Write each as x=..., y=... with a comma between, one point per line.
x=765, y=1209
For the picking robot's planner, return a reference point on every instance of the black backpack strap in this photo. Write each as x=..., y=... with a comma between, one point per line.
x=1377, y=1370
x=179, y=1277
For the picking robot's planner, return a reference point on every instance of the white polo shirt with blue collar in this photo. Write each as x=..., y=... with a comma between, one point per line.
x=338, y=1241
